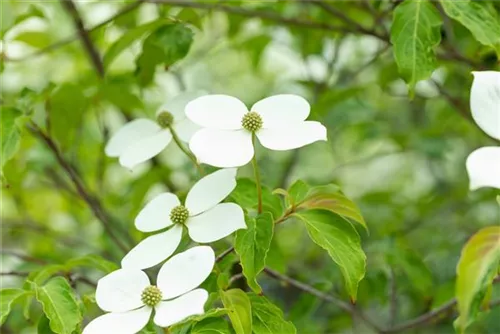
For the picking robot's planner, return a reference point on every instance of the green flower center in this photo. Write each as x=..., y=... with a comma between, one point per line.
x=165, y=119
x=179, y=214
x=252, y=121
x=151, y=295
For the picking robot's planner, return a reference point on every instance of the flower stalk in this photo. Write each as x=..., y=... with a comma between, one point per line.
x=190, y=155
x=257, y=177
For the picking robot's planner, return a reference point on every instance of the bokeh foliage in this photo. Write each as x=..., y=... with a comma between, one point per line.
x=390, y=80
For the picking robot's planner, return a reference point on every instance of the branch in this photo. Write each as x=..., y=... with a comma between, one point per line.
x=224, y=254
x=357, y=27
x=321, y=295
x=426, y=318
x=71, y=39
x=84, y=36
x=23, y=257
x=91, y=201
x=264, y=15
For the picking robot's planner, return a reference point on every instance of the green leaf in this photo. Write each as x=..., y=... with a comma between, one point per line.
x=43, y=326
x=92, y=261
x=59, y=305
x=65, y=109
x=267, y=318
x=297, y=192
x=329, y=198
x=191, y=16
x=339, y=238
x=7, y=298
x=415, y=33
x=477, y=16
x=128, y=38
x=252, y=245
x=36, y=39
x=166, y=45
x=239, y=310
x=477, y=267
x=11, y=135
x=211, y=326
x=245, y=194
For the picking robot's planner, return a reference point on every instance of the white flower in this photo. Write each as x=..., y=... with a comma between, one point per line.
x=483, y=165
x=205, y=219
x=226, y=140
x=142, y=139
x=130, y=297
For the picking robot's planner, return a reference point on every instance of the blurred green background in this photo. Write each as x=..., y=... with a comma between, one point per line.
x=401, y=159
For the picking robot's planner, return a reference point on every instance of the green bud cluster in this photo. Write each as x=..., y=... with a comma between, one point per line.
x=252, y=121
x=151, y=296
x=165, y=119
x=179, y=214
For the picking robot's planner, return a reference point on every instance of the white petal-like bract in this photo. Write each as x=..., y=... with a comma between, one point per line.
x=145, y=149
x=129, y=322
x=216, y=223
x=156, y=214
x=483, y=167
x=217, y=112
x=485, y=102
x=185, y=271
x=177, y=104
x=185, y=129
x=222, y=148
x=121, y=290
x=130, y=134
x=210, y=190
x=154, y=249
x=279, y=110
x=292, y=136
x=170, y=312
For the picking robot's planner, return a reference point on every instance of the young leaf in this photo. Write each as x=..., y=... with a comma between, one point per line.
x=415, y=33
x=252, y=245
x=59, y=305
x=477, y=267
x=339, y=238
x=10, y=134
x=245, y=194
x=329, y=198
x=91, y=261
x=7, y=298
x=211, y=326
x=268, y=318
x=239, y=310
x=297, y=192
x=166, y=45
x=128, y=38
x=480, y=18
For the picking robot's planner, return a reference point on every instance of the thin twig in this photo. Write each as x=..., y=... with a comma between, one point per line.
x=264, y=15
x=91, y=201
x=355, y=26
x=324, y=296
x=393, y=298
x=24, y=257
x=222, y=255
x=89, y=46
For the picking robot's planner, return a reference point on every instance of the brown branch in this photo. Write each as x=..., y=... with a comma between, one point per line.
x=85, y=194
x=84, y=36
x=356, y=27
x=324, y=296
x=264, y=15
x=224, y=254
x=24, y=257
x=429, y=316
x=71, y=39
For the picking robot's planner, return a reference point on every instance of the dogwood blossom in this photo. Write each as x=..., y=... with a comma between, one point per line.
x=483, y=165
x=130, y=298
x=205, y=218
x=226, y=139
x=142, y=139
